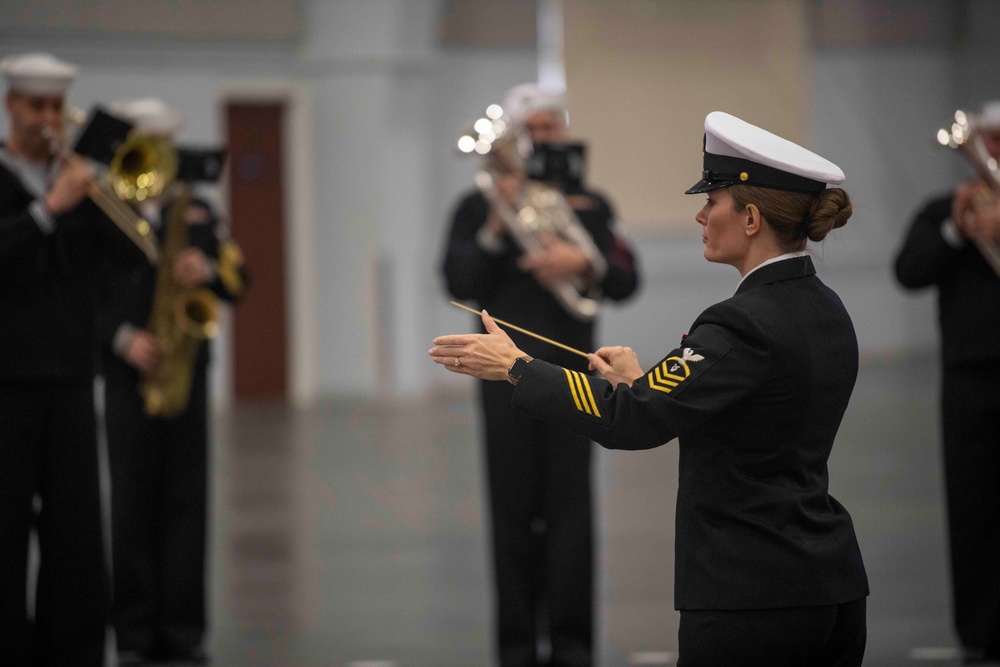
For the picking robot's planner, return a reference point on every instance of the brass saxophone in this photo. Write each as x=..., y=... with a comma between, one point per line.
x=181, y=319
x=965, y=138
x=541, y=209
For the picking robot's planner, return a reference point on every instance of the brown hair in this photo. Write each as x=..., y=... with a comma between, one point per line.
x=795, y=217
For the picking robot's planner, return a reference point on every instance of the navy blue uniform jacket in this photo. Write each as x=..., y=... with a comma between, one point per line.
x=755, y=395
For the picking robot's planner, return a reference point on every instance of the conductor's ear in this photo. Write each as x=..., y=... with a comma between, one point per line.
x=753, y=220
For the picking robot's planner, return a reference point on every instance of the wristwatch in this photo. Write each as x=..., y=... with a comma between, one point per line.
x=517, y=369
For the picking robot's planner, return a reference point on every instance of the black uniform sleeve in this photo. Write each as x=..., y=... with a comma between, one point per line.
x=20, y=235
x=471, y=272
x=622, y=278
x=925, y=255
x=724, y=359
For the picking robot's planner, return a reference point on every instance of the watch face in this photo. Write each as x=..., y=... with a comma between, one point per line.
x=517, y=369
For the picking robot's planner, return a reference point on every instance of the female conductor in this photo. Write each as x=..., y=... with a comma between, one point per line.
x=767, y=567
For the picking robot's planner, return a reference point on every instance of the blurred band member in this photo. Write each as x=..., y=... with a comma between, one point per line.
x=940, y=251
x=539, y=476
x=159, y=462
x=53, y=243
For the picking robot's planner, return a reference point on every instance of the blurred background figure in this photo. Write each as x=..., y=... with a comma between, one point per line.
x=539, y=477
x=947, y=247
x=155, y=329
x=52, y=244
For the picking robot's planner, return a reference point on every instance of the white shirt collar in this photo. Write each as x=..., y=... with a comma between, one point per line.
x=787, y=255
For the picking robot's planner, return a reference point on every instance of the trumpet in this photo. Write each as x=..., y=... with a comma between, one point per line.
x=966, y=139
x=540, y=210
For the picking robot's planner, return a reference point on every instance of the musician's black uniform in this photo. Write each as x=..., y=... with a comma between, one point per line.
x=755, y=395
x=159, y=475
x=48, y=439
x=539, y=476
x=969, y=319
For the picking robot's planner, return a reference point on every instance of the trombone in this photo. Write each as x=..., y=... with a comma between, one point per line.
x=963, y=137
x=142, y=167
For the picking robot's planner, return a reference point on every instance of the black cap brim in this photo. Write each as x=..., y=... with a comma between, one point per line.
x=705, y=185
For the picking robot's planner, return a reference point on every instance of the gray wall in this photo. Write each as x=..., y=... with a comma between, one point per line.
x=385, y=102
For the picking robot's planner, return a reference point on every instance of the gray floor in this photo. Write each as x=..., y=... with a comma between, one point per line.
x=353, y=534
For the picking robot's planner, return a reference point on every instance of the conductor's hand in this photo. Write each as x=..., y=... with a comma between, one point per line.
x=70, y=186
x=556, y=261
x=484, y=356
x=192, y=268
x=618, y=365
x=143, y=351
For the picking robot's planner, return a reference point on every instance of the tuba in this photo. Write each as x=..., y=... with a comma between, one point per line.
x=964, y=137
x=541, y=209
x=181, y=319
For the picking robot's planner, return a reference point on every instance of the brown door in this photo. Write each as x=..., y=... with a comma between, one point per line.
x=256, y=203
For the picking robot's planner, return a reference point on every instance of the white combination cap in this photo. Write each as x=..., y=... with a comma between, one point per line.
x=523, y=100
x=149, y=114
x=738, y=152
x=38, y=74
x=989, y=117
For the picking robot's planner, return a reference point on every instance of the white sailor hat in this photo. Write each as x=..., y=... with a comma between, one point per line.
x=738, y=152
x=149, y=114
x=989, y=116
x=525, y=99
x=37, y=74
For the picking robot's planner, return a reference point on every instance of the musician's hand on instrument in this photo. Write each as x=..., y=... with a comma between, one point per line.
x=192, y=268
x=976, y=212
x=618, y=365
x=484, y=356
x=70, y=186
x=508, y=185
x=494, y=223
x=985, y=224
x=143, y=351
x=556, y=261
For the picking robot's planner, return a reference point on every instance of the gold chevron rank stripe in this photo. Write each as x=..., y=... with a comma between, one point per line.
x=661, y=379
x=579, y=387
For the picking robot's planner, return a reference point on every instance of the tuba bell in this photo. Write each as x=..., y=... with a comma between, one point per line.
x=964, y=137
x=540, y=210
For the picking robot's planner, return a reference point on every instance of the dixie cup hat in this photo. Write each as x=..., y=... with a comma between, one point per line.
x=37, y=74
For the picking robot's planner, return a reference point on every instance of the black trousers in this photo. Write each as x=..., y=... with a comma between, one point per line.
x=159, y=513
x=541, y=510
x=48, y=449
x=971, y=429
x=830, y=636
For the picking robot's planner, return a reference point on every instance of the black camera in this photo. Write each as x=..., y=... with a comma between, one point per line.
x=562, y=164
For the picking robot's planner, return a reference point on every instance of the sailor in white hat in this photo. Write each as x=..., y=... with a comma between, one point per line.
x=54, y=247
x=149, y=114
x=527, y=463
x=768, y=568
x=159, y=608
x=952, y=247
x=539, y=109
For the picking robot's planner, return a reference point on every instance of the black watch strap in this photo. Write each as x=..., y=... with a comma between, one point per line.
x=517, y=369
